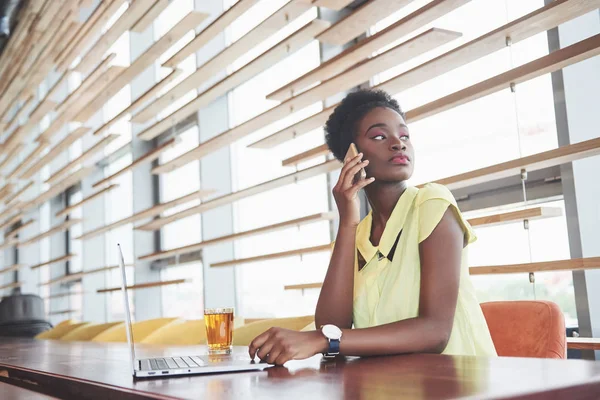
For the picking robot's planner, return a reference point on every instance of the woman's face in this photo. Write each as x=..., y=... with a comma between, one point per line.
x=384, y=140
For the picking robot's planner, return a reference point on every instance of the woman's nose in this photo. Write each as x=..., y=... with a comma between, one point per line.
x=398, y=145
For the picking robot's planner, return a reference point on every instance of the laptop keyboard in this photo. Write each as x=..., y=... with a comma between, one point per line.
x=155, y=364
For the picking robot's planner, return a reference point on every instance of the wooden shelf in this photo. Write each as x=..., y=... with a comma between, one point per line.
x=145, y=285
x=559, y=59
x=12, y=285
x=137, y=103
x=54, y=261
x=78, y=275
x=59, y=228
x=203, y=73
x=86, y=155
x=63, y=145
x=546, y=266
x=126, y=21
x=521, y=215
x=12, y=268
x=211, y=31
x=241, y=194
x=336, y=5
x=69, y=181
x=16, y=231
x=283, y=49
x=189, y=22
x=326, y=216
x=352, y=77
x=274, y=256
x=72, y=207
x=148, y=213
x=575, y=264
x=367, y=47
x=582, y=343
x=146, y=158
x=144, y=22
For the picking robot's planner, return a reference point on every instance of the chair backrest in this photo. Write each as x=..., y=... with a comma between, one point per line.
x=243, y=335
x=88, y=332
x=526, y=328
x=59, y=331
x=187, y=333
x=140, y=330
x=22, y=307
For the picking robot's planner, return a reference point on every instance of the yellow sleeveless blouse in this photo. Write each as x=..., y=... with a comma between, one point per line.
x=388, y=291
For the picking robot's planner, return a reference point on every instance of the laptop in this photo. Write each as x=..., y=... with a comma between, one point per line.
x=184, y=364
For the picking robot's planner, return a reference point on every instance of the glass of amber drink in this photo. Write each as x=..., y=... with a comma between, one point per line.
x=219, y=329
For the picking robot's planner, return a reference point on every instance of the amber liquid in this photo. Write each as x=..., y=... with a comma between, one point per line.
x=219, y=330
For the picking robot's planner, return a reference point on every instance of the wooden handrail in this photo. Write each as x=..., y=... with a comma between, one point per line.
x=352, y=77
x=203, y=73
x=145, y=285
x=274, y=256
x=583, y=343
x=54, y=261
x=59, y=228
x=67, y=210
x=86, y=155
x=150, y=156
x=208, y=33
x=240, y=194
x=281, y=50
x=150, y=212
x=239, y=235
x=576, y=264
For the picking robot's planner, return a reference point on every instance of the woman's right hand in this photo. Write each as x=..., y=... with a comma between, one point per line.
x=345, y=192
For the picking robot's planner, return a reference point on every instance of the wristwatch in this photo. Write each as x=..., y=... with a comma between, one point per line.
x=333, y=335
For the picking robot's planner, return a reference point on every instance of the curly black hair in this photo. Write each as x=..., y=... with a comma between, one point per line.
x=340, y=128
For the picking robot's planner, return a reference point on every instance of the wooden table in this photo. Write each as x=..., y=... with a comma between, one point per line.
x=88, y=370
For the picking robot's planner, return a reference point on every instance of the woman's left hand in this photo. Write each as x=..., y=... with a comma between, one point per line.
x=278, y=345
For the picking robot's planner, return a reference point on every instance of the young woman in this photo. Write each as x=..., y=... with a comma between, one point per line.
x=398, y=281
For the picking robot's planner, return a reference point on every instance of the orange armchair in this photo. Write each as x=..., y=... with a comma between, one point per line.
x=526, y=328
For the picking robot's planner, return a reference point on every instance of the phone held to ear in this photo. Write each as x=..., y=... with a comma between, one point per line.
x=353, y=152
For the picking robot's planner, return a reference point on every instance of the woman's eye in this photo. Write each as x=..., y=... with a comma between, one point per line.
x=404, y=137
x=378, y=137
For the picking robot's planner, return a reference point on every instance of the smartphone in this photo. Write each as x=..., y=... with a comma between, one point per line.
x=353, y=152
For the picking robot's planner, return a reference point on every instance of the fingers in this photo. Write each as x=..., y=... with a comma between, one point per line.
x=351, y=173
x=282, y=359
x=347, y=165
x=274, y=354
x=359, y=185
x=265, y=349
x=257, y=343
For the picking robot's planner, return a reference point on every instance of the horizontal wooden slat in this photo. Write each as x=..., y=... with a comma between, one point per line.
x=11, y=220
x=521, y=215
x=274, y=256
x=72, y=207
x=18, y=230
x=86, y=155
x=336, y=5
x=215, y=65
x=239, y=235
x=11, y=268
x=576, y=264
x=61, y=295
x=552, y=62
x=148, y=213
x=353, y=76
x=240, y=194
x=146, y=158
x=40, y=147
x=8, y=242
x=583, y=343
x=208, y=33
x=63, y=145
x=283, y=49
x=360, y=20
x=12, y=285
x=137, y=103
x=18, y=193
x=189, y=22
x=145, y=285
x=54, y=261
x=63, y=312
x=367, y=47
x=148, y=18
x=78, y=275
x=59, y=228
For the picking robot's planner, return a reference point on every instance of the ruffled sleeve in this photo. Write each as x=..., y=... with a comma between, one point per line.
x=432, y=202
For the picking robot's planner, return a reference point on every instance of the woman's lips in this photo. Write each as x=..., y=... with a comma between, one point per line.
x=399, y=160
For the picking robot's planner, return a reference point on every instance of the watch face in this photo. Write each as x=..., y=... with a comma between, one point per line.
x=332, y=332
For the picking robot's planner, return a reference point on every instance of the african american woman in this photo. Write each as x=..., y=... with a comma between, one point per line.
x=398, y=281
